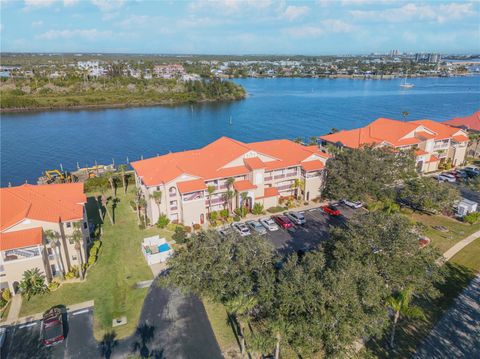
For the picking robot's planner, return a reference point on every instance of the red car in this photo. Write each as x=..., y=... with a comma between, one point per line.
x=52, y=327
x=331, y=210
x=283, y=221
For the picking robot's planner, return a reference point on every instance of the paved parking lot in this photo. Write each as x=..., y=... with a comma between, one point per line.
x=312, y=233
x=172, y=325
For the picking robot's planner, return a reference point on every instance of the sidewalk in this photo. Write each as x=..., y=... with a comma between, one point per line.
x=15, y=320
x=14, y=310
x=458, y=247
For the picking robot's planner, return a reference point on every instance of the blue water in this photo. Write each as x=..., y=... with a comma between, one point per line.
x=275, y=108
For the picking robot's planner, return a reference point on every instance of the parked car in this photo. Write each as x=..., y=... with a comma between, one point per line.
x=296, y=217
x=224, y=232
x=269, y=224
x=446, y=177
x=472, y=171
x=283, y=221
x=52, y=327
x=256, y=226
x=241, y=228
x=3, y=335
x=331, y=210
x=460, y=175
x=351, y=204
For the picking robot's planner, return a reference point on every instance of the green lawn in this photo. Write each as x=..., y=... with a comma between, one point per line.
x=110, y=282
x=217, y=315
x=444, y=240
x=469, y=257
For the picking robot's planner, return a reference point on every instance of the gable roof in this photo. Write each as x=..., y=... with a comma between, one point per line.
x=50, y=203
x=471, y=122
x=209, y=162
x=392, y=132
x=21, y=239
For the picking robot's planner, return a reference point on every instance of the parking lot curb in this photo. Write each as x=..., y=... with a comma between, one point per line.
x=38, y=316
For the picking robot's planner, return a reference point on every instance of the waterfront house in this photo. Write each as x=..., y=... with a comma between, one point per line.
x=264, y=171
x=27, y=212
x=433, y=142
x=472, y=125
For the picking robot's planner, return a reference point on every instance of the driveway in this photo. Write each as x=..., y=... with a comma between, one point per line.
x=310, y=235
x=171, y=325
x=457, y=334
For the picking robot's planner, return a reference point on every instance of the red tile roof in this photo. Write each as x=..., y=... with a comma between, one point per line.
x=420, y=152
x=21, y=239
x=215, y=160
x=392, y=132
x=313, y=165
x=269, y=192
x=191, y=186
x=254, y=163
x=460, y=138
x=50, y=203
x=244, y=185
x=433, y=158
x=471, y=122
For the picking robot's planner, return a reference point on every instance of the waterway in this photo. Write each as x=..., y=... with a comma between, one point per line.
x=275, y=108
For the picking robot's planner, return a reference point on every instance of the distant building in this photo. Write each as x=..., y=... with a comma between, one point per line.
x=428, y=58
x=169, y=71
x=432, y=141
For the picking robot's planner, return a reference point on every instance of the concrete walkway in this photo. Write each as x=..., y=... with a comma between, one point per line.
x=16, y=320
x=459, y=246
x=14, y=310
x=457, y=334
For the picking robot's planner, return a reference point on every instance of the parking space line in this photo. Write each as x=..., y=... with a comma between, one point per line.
x=81, y=312
x=27, y=325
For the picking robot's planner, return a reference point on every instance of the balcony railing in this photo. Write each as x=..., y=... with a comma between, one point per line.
x=291, y=174
x=284, y=187
x=215, y=201
x=268, y=178
x=279, y=176
x=174, y=208
x=14, y=254
x=192, y=196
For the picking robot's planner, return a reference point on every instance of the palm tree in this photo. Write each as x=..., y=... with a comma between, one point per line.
x=227, y=197
x=122, y=169
x=298, y=140
x=33, y=283
x=210, y=191
x=108, y=343
x=77, y=239
x=243, y=196
x=104, y=204
x=229, y=182
x=405, y=114
x=238, y=309
x=138, y=195
x=400, y=305
x=157, y=197
x=142, y=203
x=312, y=141
x=53, y=238
x=296, y=185
x=111, y=180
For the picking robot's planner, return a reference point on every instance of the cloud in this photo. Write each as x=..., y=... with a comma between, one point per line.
x=86, y=34
x=295, y=12
x=322, y=28
x=70, y=2
x=135, y=21
x=108, y=5
x=29, y=4
x=408, y=12
x=37, y=23
x=228, y=6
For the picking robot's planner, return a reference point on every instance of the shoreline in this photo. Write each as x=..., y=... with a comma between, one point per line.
x=112, y=106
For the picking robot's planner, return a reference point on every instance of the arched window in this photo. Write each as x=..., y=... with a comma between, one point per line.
x=202, y=218
x=172, y=191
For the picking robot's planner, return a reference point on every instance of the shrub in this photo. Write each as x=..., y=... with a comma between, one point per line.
x=305, y=203
x=241, y=212
x=257, y=208
x=224, y=213
x=180, y=235
x=236, y=218
x=96, y=183
x=196, y=227
x=133, y=205
x=53, y=285
x=472, y=218
x=213, y=216
x=93, y=251
x=276, y=209
x=70, y=275
x=163, y=221
x=6, y=295
x=91, y=260
x=187, y=229
x=3, y=303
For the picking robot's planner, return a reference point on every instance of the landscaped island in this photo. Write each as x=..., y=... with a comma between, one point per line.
x=31, y=94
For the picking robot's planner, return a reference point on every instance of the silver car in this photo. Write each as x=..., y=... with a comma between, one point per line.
x=256, y=226
x=296, y=217
x=351, y=204
x=269, y=224
x=442, y=177
x=241, y=228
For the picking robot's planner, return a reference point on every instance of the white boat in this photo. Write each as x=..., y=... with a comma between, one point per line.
x=405, y=84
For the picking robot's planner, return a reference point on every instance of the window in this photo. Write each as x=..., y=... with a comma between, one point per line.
x=85, y=225
x=70, y=240
x=74, y=258
x=172, y=191
x=68, y=224
x=158, y=188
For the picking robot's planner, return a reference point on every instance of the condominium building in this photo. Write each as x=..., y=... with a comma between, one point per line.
x=472, y=125
x=433, y=142
x=263, y=172
x=27, y=212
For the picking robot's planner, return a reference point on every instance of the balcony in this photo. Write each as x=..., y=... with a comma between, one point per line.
x=174, y=208
x=268, y=178
x=14, y=254
x=291, y=174
x=279, y=176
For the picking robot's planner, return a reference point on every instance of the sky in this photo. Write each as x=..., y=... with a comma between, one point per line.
x=317, y=27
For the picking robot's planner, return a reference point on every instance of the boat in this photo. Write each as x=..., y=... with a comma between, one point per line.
x=405, y=84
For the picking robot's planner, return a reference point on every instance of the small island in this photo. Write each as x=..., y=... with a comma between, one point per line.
x=116, y=87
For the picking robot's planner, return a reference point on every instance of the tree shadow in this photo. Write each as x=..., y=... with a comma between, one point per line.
x=108, y=344
x=145, y=334
x=115, y=202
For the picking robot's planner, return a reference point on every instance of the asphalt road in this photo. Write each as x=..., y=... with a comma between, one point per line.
x=171, y=325
x=312, y=233
x=457, y=334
